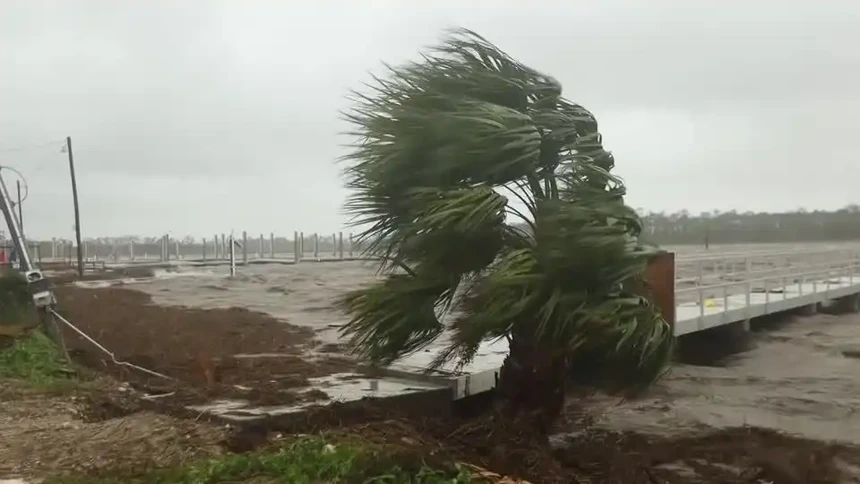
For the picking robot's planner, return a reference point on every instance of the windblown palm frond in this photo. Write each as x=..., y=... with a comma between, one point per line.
x=485, y=192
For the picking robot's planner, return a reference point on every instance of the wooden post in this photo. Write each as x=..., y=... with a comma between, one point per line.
x=334, y=245
x=296, y=247
x=340, y=244
x=351, y=243
x=81, y=255
x=660, y=277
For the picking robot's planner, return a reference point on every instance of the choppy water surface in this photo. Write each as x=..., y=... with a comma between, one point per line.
x=796, y=378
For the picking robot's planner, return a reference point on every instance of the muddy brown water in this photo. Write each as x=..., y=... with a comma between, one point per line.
x=796, y=377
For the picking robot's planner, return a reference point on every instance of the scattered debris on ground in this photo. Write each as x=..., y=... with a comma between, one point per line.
x=197, y=347
x=44, y=433
x=107, y=427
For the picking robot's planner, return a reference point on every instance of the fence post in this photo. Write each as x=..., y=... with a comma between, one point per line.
x=272, y=244
x=302, y=245
x=178, y=255
x=245, y=247
x=296, y=247
x=225, y=251
x=262, y=250
x=203, y=250
x=131, y=250
x=351, y=244
x=316, y=246
x=340, y=244
x=334, y=245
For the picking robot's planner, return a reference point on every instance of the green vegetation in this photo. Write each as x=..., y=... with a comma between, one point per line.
x=15, y=301
x=32, y=358
x=308, y=460
x=733, y=227
x=454, y=156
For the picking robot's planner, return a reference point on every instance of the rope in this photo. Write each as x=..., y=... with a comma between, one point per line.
x=105, y=350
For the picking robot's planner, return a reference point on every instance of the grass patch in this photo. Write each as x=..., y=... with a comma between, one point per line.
x=32, y=358
x=305, y=461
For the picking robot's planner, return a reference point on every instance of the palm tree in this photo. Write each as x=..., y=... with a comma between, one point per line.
x=490, y=202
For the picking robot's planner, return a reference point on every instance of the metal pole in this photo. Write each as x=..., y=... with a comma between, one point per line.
x=20, y=209
x=316, y=246
x=77, y=208
x=244, y=247
x=232, y=255
x=15, y=232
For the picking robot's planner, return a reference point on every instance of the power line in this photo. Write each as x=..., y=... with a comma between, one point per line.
x=57, y=143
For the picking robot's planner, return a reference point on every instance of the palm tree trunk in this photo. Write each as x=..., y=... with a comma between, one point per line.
x=532, y=384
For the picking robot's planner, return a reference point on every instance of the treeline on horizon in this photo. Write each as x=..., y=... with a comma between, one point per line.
x=679, y=228
x=734, y=227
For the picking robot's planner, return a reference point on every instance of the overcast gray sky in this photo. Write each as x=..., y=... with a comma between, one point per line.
x=202, y=117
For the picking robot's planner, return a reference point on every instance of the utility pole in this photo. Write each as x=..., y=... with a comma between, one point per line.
x=20, y=210
x=77, y=209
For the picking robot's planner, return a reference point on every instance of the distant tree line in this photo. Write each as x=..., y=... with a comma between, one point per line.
x=679, y=228
x=750, y=227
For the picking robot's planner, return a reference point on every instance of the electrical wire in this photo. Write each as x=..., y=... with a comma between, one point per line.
x=23, y=181
x=105, y=350
x=31, y=146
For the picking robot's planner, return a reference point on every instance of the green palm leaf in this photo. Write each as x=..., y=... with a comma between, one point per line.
x=488, y=194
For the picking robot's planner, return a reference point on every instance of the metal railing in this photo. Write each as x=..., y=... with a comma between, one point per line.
x=745, y=266
x=820, y=278
x=701, y=278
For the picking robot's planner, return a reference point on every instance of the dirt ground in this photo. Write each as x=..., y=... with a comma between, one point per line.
x=43, y=434
x=194, y=346
x=108, y=426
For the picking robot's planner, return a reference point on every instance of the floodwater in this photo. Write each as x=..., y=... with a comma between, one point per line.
x=795, y=377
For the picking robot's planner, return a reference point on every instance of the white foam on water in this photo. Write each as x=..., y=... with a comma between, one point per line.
x=340, y=387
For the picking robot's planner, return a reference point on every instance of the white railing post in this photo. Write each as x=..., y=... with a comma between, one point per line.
x=272, y=244
x=316, y=245
x=244, y=247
